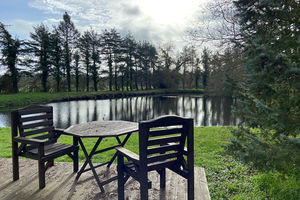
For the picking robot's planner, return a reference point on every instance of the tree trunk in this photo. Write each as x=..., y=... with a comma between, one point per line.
x=68, y=67
x=110, y=72
x=116, y=78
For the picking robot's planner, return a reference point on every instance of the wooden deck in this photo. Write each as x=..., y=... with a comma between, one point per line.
x=61, y=184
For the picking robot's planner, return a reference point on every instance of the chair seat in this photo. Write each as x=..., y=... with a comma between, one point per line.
x=54, y=148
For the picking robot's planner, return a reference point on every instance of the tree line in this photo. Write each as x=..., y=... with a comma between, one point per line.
x=63, y=59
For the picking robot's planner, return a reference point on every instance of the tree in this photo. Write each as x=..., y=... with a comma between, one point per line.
x=197, y=73
x=10, y=49
x=76, y=68
x=129, y=46
x=95, y=43
x=84, y=46
x=153, y=57
x=185, y=61
x=69, y=35
x=166, y=51
x=56, y=57
x=111, y=42
x=146, y=56
x=221, y=25
x=224, y=66
x=269, y=99
x=40, y=46
x=206, y=66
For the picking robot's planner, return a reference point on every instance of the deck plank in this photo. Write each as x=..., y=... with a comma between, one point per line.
x=61, y=184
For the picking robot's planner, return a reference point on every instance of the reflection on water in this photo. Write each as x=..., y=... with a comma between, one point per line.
x=206, y=111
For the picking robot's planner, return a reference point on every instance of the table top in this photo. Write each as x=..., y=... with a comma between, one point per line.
x=102, y=129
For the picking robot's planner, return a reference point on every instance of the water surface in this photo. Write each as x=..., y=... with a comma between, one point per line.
x=206, y=111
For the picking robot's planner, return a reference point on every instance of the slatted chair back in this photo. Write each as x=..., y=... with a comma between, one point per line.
x=36, y=121
x=162, y=143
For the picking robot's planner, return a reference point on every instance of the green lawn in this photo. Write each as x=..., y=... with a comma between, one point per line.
x=227, y=178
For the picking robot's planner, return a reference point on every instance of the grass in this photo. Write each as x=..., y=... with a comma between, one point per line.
x=227, y=178
x=10, y=101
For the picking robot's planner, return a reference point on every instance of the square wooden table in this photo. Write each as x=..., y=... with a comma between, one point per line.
x=100, y=130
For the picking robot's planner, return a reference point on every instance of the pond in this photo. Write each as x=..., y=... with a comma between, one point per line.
x=206, y=111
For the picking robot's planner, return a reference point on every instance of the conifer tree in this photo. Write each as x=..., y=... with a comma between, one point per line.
x=56, y=57
x=110, y=43
x=269, y=99
x=76, y=68
x=129, y=49
x=10, y=49
x=40, y=46
x=95, y=55
x=84, y=46
x=69, y=35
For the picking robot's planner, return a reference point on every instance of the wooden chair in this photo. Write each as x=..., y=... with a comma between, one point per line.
x=34, y=136
x=161, y=146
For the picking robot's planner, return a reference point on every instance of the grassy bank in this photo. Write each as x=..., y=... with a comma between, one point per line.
x=10, y=101
x=227, y=178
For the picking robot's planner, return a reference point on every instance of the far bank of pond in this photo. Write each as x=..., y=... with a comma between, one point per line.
x=12, y=101
x=206, y=111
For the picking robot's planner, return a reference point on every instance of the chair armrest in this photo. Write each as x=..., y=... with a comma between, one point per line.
x=129, y=154
x=32, y=141
x=185, y=151
x=59, y=130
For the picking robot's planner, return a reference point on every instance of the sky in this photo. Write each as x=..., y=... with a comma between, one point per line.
x=158, y=21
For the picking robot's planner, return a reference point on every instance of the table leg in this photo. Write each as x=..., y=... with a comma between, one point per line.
x=88, y=161
x=121, y=144
x=89, y=157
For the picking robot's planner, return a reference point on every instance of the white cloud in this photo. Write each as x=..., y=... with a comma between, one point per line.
x=21, y=28
x=154, y=20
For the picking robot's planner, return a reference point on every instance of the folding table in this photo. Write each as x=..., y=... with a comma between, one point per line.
x=100, y=130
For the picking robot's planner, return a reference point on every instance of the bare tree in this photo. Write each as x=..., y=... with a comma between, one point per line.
x=217, y=22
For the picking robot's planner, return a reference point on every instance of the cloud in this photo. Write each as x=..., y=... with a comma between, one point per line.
x=21, y=28
x=131, y=10
x=156, y=21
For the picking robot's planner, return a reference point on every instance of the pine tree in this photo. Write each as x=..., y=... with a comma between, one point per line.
x=110, y=43
x=40, y=46
x=95, y=55
x=84, y=46
x=69, y=35
x=129, y=48
x=76, y=68
x=269, y=99
x=56, y=57
x=10, y=49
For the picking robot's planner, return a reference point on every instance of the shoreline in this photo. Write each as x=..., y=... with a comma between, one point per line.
x=12, y=101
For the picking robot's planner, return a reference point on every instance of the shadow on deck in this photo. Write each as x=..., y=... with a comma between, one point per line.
x=61, y=184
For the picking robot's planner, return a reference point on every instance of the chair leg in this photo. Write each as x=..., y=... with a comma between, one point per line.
x=191, y=186
x=75, y=161
x=121, y=181
x=41, y=174
x=51, y=163
x=162, y=174
x=144, y=187
x=15, y=161
x=14, y=133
